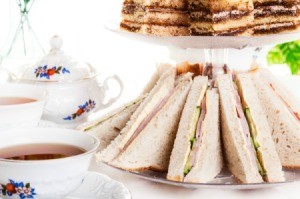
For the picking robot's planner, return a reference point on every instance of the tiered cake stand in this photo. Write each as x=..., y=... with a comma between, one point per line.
x=216, y=55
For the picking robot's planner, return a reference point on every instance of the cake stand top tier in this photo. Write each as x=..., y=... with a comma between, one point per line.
x=207, y=42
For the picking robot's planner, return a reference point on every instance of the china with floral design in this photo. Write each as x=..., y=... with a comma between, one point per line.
x=73, y=87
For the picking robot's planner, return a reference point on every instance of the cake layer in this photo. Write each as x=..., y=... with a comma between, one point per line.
x=275, y=19
x=204, y=16
x=242, y=31
x=176, y=4
x=154, y=15
x=224, y=25
x=287, y=3
x=158, y=30
x=130, y=26
x=275, y=10
x=216, y=6
x=273, y=28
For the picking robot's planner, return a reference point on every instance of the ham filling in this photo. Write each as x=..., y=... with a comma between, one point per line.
x=244, y=123
x=147, y=119
x=193, y=157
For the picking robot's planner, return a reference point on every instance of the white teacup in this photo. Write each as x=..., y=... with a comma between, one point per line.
x=21, y=105
x=43, y=179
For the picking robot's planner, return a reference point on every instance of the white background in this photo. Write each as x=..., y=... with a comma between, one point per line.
x=80, y=24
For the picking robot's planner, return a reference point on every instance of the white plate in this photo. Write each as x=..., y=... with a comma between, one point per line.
x=223, y=181
x=98, y=186
x=207, y=42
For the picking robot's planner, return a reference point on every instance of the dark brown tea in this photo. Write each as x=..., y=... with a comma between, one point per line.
x=15, y=100
x=39, y=152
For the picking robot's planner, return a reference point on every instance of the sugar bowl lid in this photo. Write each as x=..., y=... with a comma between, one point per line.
x=57, y=66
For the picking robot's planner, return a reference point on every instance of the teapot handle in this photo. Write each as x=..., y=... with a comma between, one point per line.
x=105, y=87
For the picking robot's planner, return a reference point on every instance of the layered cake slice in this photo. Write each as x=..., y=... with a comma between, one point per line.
x=220, y=17
x=274, y=16
x=162, y=18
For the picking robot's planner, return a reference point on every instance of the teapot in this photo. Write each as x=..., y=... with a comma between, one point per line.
x=73, y=87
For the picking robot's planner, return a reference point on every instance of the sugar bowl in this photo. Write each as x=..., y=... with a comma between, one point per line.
x=73, y=87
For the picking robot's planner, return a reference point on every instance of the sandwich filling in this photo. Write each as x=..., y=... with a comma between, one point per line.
x=147, y=119
x=250, y=133
x=196, y=137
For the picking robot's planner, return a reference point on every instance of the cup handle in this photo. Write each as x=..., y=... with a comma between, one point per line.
x=105, y=87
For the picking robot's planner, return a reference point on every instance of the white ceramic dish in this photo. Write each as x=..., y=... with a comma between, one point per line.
x=223, y=181
x=99, y=186
x=206, y=42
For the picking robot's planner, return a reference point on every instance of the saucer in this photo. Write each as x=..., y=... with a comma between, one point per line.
x=99, y=186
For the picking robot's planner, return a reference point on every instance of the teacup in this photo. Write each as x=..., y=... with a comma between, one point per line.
x=21, y=105
x=44, y=179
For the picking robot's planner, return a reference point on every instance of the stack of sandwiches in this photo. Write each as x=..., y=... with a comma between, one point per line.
x=210, y=17
x=164, y=18
x=191, y=130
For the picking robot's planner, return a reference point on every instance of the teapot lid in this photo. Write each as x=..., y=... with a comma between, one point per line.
x=58, y=66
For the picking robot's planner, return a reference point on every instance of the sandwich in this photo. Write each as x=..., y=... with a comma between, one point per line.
x=268, y=160
x=151, y=147
x=144, y=113
x=196, y=155
x=282, y=111
x=246, y=138
x=108, y=127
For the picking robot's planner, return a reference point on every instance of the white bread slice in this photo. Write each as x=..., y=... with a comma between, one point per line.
x=284, y=126
x=160, y=69
x=237, y=152
x=182, y=145
x=267, y=150
x=161, y=90
x=282, y=90
x=151, y=149
x=210, y=161
x=108, y=127
x=183, y=77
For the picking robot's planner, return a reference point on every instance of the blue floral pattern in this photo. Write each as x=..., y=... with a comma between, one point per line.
x=85, y=108
x=45, y=72
x=17, y=188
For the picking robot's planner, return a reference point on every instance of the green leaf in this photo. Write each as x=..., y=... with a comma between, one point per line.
x=287, y=53
x=27, y=185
